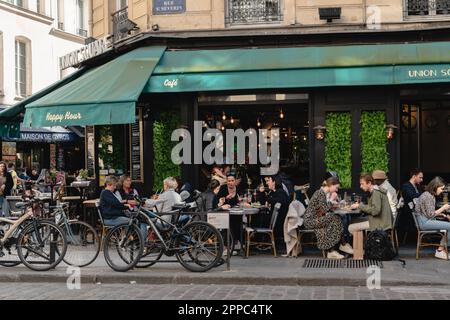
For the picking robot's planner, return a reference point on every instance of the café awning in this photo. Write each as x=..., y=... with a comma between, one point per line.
x=104, y=95
x=301, y=67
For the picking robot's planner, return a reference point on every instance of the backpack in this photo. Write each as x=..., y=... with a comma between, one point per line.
x=379, y=247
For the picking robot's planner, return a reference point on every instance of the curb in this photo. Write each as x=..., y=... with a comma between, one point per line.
x=120, y=278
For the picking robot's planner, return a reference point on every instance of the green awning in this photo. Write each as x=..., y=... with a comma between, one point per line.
x=104, y=95
x=237, y=69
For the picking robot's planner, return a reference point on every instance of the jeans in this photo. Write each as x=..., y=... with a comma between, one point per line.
x=346, y=219
x=121, y=220
x=426, y=224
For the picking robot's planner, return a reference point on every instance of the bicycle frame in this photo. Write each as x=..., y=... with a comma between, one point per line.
x=147, y=214
x=15, y=224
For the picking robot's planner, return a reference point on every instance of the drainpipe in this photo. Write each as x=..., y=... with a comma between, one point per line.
x=90, y=19
x=364, y=13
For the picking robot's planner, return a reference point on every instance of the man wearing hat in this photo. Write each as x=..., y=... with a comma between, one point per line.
x=380, y=178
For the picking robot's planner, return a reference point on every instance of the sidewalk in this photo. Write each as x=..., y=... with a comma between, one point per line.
x=259, y=269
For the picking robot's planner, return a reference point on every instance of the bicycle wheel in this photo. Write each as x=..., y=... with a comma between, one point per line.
x=41, y=247
x=83, y=243
x=153, y=251
x=123, y=247
x=200, y=246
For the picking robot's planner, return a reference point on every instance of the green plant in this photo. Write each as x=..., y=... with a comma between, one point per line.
x=374, y=154
x=338, y=146
x=111, y=147
x=163, y=166
x=83, y=173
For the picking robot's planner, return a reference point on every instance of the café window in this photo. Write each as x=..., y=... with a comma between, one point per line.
x=22, y=67
x=19, y=3
x=240, y=12
x=112, y=150
x=419, y=8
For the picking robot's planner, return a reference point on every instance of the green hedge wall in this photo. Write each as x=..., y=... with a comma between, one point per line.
x=338, y=146
x=374, y=153
x=163, y=166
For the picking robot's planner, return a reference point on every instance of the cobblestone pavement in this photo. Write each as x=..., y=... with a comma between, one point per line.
x=59, y=291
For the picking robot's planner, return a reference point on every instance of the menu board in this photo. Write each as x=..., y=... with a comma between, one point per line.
x=53, y=156
x=90, y=150
x=9, y=151
x=61, y=158
x=136, y=149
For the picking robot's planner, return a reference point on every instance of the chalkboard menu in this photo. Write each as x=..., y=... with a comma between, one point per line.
x=53, y=156
x=136, y=149
x=61, y=158
x=90, y=150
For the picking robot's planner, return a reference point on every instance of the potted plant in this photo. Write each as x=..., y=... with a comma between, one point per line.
x=82, y=175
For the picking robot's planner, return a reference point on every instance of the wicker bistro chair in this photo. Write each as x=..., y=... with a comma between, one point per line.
x=104, y=228
x=421, y=234
x=251, y=232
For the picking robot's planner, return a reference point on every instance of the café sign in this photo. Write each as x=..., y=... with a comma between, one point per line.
x=58, y=117
x=87, y=52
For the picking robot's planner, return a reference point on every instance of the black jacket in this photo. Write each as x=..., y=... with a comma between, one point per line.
x=223, y=193
x=110, y=206
x=409, y=193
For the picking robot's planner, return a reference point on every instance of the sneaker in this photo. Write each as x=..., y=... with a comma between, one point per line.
x=334, y=255
x=347, y=248
x=441, y=254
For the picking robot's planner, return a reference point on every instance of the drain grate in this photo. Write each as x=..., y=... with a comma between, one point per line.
x=341, y=264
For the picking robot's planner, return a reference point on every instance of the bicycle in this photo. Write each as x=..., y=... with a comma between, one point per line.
x=83, y=242
x=37, y=243
x=197, y=245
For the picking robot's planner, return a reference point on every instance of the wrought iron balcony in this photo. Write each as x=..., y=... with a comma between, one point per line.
x=122, y=26
x=427, y=7
x=253, y=11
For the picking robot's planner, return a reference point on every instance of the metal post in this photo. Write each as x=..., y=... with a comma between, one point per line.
x=52, y=249
x=228, y=249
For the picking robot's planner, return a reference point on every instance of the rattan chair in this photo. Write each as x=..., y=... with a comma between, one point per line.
x=421, y=234
x=251, y=232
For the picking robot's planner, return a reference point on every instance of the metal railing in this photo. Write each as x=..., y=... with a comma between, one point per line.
x=122, y=26
x=427, y=7
x=61, y=26
x=241, y=12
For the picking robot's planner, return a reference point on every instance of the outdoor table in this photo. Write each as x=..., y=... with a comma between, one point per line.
x=89, y=204
x=358, y=237
x=236, y=211
x=81, y=186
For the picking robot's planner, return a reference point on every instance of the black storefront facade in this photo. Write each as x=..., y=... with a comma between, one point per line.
x=400, y=84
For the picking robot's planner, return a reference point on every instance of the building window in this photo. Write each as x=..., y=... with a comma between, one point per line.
x=19, y=3
x=253, y=12
x=81, y=31
x=22, y=68
x=120, y=4
x=60, y=14
x=1, y=64
x=427, y=7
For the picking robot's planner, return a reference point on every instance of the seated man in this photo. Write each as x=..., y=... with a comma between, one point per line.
x=167, y=199
x=378, y=208
x=112, y=209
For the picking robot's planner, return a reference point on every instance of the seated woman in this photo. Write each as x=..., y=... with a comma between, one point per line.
x=208, y=200
x=327, y=227
x=112, y=208
x=125, y=192
x=426, y=213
